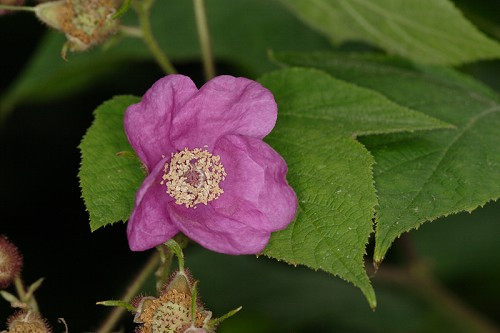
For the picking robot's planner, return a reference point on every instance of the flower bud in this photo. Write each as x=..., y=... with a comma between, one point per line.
x=172, y=311
x=27, y=322
x=10, y=262
x=85, y=22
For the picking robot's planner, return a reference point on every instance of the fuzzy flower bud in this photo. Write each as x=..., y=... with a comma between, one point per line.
x=172, y=311
x=27, y=322
x=10, y=262
x=85, y=22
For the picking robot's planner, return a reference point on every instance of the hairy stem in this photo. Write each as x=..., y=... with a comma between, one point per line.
x=131, y=291
x=204, y=37
x=142, y=9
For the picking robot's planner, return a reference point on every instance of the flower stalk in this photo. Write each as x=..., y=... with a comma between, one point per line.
x=204, y=38
x=143, y=11
x=115, y=315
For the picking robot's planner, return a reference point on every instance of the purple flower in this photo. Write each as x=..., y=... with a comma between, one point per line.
x=210, y=175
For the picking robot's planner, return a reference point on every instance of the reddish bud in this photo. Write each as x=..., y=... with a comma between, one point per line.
x=10, y=262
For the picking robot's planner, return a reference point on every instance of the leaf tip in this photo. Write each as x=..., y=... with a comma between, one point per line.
x=377, y=260
x=373, y=304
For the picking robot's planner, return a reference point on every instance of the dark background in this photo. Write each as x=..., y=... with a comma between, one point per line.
x=43, y=214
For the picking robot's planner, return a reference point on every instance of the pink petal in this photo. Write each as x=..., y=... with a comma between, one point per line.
x=217, y=232
x=224, y=105
x=150, y=224
x=255, y=189
x=148, y=123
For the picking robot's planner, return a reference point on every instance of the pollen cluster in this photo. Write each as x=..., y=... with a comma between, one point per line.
x=193, y=177
x=168, y=314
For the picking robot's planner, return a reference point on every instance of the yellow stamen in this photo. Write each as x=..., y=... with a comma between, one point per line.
x=193, y=177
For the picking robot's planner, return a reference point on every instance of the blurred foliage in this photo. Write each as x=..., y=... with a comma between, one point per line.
x=264, y=25
x=413, y=28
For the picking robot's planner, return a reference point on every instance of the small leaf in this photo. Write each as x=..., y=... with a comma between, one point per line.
x=122, y=10
x=423, y=176
x=109, y=179
x=329, y=170
x=13, y=300
x=410, y=28
x=33, y=287
x=121, y=304
x=217, y=321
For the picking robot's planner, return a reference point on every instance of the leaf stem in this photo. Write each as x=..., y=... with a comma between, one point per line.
x=18, y=8
x=142, y=9
x=131, y=291
x=204, y=38
x=177, y=249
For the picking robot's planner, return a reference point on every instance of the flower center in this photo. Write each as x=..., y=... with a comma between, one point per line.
x=193, y=177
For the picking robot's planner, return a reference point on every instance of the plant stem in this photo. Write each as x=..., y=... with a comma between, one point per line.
x=18, y=8
x=417, y=276
x=204, y=37
x=420, y=280
x=131, y=31
x=142, y=9
x=163, y=271
x=131, y=291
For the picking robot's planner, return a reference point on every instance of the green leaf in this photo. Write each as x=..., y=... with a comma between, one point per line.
x=110, y=174
x=329, y=170
x=242, y=31
x=34, y=287
x=426, y=31
x=483, y=14
x=426, y=175
x=213, y=323
x=13, y=300
x=121, y=304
